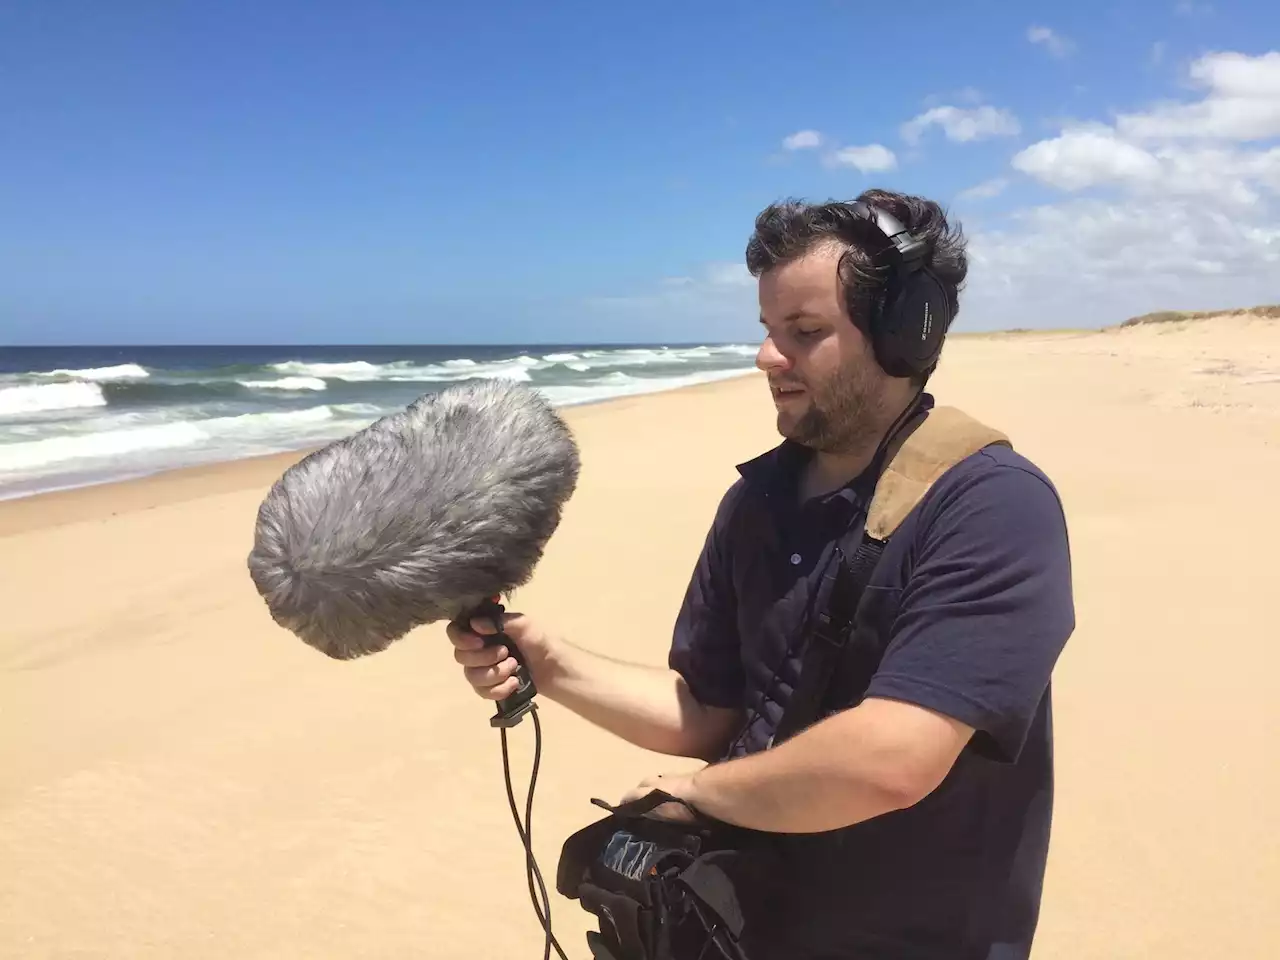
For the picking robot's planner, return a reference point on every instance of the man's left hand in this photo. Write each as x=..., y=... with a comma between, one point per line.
x=679, y=785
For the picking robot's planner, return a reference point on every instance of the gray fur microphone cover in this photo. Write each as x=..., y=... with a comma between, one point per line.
x=420, y=516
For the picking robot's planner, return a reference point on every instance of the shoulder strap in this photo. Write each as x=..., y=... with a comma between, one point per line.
x=933, y=447
x=831, y=633
x=919, y=457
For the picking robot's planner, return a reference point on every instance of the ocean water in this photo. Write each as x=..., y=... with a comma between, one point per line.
x=73, y=416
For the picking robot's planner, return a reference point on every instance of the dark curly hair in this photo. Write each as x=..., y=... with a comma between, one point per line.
x=786, y=231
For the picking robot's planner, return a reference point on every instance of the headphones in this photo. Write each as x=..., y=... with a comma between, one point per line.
x=912, y=316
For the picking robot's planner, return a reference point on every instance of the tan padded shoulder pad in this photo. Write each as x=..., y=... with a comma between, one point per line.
x=946, y=437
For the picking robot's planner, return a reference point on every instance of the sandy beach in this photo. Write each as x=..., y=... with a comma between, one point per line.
x=181, y=778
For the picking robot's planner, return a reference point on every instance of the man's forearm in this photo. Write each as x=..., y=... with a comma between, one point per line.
x=648, y=706
x=851, y=767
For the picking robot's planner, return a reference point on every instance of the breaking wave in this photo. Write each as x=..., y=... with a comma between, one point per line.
x=44, y=397
x=86, y=414
x=159, y=436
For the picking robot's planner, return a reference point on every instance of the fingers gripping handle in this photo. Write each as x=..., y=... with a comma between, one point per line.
x=512, y=709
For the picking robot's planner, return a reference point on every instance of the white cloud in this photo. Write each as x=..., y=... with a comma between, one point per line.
x=1057, y=45
x=1169, y=208
x=964, y=95
x=715, y=275
x=717, y=302
x=1165, y=206
x=728, y=275
x=985, y=190
x=803, y=140
x=1086, y=157
x=1242, y=103
x=963, y=124
x=1090, y=262
x=869, y=158
x=1188, y=9
x=872, y=158
x=1182, y=149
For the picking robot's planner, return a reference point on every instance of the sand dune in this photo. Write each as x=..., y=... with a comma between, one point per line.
x=182, y=779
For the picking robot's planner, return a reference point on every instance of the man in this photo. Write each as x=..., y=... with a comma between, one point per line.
x=915, y=822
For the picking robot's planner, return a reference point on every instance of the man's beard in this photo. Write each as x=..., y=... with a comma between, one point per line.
x=842, y=415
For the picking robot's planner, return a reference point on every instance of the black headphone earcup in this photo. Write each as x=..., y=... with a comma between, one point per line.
x=911, y=325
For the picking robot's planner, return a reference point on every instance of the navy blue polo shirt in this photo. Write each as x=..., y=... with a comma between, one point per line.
x=971, y=605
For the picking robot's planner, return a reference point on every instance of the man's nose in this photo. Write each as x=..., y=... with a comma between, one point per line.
x=770, y=358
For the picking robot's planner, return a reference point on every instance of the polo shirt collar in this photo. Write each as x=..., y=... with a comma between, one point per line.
x=775, y=475
x=777, y=471
x=778, y=467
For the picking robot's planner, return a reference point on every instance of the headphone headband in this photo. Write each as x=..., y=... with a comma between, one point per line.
x=909, y=248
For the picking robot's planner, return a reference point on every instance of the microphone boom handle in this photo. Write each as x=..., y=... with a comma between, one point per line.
x=512, y=709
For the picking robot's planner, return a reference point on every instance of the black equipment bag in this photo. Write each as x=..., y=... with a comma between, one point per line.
x=661, y=889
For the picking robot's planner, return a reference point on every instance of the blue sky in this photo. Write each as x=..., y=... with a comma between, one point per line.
x=371, y=172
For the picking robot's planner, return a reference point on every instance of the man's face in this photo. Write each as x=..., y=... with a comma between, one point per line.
x=827, y=387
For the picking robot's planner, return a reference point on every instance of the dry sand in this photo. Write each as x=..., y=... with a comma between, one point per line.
x=180, y=778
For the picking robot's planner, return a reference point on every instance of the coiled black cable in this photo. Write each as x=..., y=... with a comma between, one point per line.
x=526, y=834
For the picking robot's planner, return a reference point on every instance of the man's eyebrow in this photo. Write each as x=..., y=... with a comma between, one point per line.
x=792, y=317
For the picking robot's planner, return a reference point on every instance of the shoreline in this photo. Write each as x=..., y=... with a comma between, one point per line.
x=56, y=485
x=90, y=480
x=37, y=509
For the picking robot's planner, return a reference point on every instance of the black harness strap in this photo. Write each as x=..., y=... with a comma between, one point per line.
x=710, y=884
x=825, y=651
x=827, y=645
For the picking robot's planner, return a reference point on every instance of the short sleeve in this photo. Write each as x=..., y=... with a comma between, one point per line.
x=987, y=608
x=705, y=647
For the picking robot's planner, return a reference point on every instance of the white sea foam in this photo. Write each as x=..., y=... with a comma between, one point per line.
x=121, y=371
x=41, y=397
x=250, y=423
x=89, y=446
x=134, y=436
x=606, y=388
x=520, y=374
x=514, y=368
x=160, y=436
x=445, y=373
x=360, y=409
x=286, y=383
x=355, y=369
x=641, y=357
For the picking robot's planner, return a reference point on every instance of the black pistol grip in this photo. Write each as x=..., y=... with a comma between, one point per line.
x=510, y=710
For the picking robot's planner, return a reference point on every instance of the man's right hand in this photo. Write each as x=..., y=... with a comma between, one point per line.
x=490, y=669
x=649, y=706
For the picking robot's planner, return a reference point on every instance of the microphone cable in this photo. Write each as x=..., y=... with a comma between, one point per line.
x=525, y=830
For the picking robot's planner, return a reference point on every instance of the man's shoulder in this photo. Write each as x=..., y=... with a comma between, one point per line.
x=993, y=521
x=997, y=470
x=731, y=499
x=997, y=498
x=745, y=496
